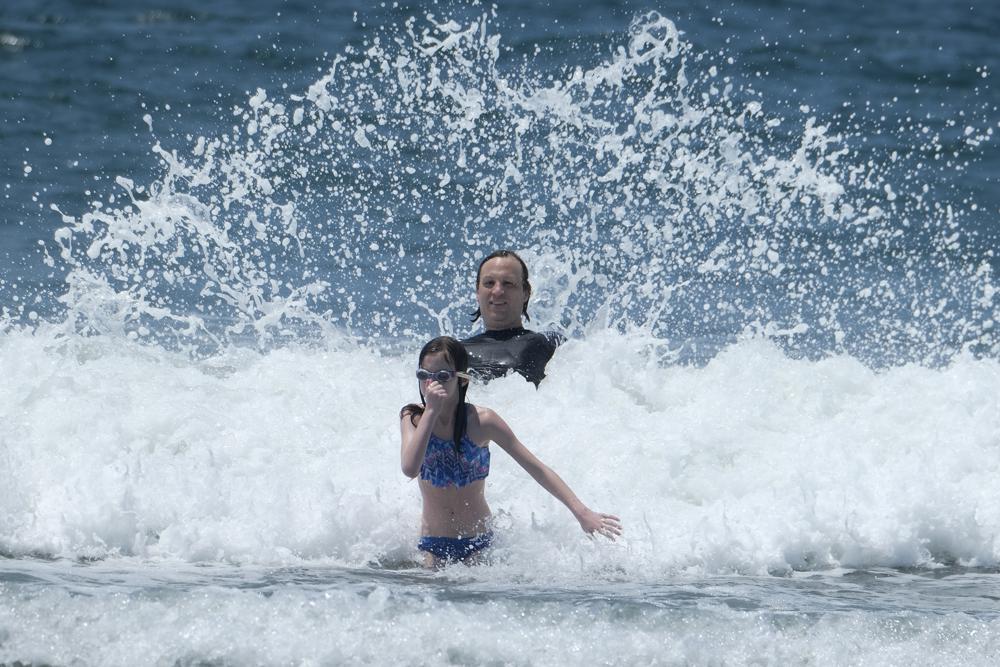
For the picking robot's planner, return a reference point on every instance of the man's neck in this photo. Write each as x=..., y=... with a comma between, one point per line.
x=516, y=325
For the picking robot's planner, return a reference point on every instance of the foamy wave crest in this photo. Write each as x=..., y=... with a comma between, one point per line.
x=756, y=462
x=650, y=189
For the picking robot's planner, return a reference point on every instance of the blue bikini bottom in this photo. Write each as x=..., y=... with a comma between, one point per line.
x=455, y=548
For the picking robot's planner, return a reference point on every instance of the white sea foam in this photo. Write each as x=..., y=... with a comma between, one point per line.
x=754, y=463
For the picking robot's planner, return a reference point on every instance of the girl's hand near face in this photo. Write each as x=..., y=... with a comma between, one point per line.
x=434, y=396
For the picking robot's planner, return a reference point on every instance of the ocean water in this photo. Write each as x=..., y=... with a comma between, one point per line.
x=769, y=233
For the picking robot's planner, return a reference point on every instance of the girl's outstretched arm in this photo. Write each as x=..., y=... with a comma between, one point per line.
x=496, y=429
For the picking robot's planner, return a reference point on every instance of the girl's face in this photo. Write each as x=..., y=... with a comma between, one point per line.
x=434, y=362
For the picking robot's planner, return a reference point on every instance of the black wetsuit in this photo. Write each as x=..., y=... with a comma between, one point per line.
x=493, y=353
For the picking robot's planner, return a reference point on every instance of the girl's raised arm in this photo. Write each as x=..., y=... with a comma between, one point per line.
x=413, y=439
x=497, y=430
x=413, y=442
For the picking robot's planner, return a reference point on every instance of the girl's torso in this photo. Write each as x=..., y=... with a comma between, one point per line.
x=453, y=483
x=454, y=511
x=447, y=465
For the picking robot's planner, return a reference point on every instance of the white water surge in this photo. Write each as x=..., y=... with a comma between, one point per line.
x=754, y=463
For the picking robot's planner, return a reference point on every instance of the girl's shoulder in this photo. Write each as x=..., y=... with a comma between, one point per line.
x=479, y=413
x=483, y=421
x=411, y=413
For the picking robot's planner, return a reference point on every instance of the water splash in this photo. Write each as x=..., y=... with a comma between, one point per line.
x=649, y=190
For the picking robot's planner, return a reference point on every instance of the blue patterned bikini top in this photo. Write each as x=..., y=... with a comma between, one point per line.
x=443, y=466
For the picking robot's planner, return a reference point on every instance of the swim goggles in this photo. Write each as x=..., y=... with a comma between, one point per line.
x=441, y=376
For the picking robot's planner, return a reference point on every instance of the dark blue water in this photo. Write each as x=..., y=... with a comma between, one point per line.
x=81, y=73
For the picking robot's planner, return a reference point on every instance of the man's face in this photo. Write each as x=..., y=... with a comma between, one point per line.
x=501, y=293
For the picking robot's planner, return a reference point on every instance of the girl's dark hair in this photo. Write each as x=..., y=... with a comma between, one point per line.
x=455, y=353
x=524, y=278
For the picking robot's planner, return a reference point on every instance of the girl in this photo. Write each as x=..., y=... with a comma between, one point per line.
x=445, y=441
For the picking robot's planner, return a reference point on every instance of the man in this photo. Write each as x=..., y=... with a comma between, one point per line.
x=503, y=291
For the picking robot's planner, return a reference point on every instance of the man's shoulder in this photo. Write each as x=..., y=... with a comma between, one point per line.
x=554, y=337
x=549, y=338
